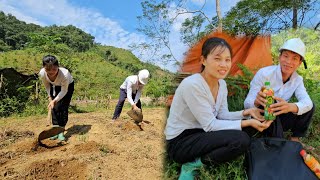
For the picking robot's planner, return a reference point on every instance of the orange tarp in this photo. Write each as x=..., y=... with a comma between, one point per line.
x=253, y=52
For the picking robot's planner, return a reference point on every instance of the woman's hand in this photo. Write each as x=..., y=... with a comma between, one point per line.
x=52, y=104
x=260, y=126
x=255, y=113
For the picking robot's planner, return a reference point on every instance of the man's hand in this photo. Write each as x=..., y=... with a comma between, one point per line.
x=260, y=99
x=283, y=107
x=135, y=107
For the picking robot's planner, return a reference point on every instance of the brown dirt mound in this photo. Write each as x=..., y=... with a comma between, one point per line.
x=24, y=148
x=87, y=147
x=28, y=146
x=11, y=136
x=130, y=126
x=56, y=169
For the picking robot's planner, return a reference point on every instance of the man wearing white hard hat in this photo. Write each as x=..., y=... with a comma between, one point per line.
x=286, y=82
x=131, y=89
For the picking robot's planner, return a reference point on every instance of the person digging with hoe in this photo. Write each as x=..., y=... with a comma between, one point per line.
x=131, y=89
x=59, y=85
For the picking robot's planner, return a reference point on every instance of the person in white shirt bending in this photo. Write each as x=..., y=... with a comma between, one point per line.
x=59, y=85
x=200, y=129
x=131, y=89
x=285, y=81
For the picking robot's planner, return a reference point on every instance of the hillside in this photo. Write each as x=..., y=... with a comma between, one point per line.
x=98, y=70
x=91, y=69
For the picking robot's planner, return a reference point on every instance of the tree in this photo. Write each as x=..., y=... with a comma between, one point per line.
x=14, y=33
x=156, y=23
x=219, y=15
x=248, y=17
x=252, y=17
x=192, y=30
x=72, y=36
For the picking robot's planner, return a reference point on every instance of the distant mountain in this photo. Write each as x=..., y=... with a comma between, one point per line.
x=16, y=34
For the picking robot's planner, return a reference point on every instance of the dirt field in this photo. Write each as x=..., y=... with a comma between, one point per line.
x=96, y=148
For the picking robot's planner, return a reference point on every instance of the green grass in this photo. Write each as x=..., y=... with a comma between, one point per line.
x=104, y=150
x=96, y=76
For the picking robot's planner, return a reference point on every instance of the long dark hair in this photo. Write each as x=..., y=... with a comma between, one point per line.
x=211, y=44
x=48, y=61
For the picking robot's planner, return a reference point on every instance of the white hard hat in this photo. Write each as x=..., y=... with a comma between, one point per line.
x=295, y=45
x=143, y=76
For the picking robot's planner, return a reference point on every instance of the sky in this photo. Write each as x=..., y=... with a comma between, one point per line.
x=112, y=22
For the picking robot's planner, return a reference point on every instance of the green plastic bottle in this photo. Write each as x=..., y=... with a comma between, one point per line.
x=268, y=115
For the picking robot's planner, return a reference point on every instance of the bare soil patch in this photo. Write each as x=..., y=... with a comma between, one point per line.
x=96, y=148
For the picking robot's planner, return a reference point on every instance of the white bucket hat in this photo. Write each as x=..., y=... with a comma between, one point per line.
x=143, y=76
x=295, y=45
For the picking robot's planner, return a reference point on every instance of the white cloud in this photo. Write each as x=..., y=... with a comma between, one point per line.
x=60, y=12
x=9, y=8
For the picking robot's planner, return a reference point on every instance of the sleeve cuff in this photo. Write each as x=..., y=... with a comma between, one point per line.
x=299, y=109
x=244, y=117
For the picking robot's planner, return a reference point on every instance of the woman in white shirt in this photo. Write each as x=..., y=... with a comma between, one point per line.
x=59, y=86
x=200, y=129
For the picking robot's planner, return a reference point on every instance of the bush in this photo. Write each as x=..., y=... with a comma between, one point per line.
x=9, y=106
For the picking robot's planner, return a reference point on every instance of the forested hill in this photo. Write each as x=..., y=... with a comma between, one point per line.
x=97, y=69
x=16, y=34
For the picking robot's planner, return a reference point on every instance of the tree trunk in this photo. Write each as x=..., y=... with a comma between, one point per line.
x=294, y=15
x=37, y=91
x=219, y=15
x=1, y=81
